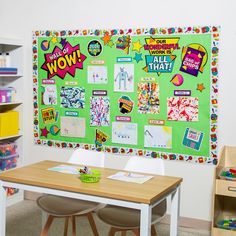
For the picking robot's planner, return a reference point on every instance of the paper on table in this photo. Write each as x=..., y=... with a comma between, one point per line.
x=66, y=169
x=130, y=177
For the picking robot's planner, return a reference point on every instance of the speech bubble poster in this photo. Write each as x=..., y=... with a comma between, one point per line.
x=150, y=92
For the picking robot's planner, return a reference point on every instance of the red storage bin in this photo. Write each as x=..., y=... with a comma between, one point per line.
x=8, y=162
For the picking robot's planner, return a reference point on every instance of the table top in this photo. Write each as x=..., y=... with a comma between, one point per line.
x=38, y=175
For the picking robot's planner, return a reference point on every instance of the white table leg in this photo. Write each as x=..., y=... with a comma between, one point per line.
x=175, y=200
x=145, y=220
x=3, y=197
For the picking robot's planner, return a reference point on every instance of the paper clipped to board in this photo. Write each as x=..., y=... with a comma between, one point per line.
x=130, y=177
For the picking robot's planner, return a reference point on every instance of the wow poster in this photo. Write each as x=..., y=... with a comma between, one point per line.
x=150, y=92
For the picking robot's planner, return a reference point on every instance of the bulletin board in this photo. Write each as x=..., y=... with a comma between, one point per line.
x=150, y=91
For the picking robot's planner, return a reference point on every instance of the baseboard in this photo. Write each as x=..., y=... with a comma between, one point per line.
x=183, y=221
x=190, y=223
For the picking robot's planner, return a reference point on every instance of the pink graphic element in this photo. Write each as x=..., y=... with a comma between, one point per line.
x=44, y=132
x=182, y=109
x=62, y=61
x=123, y=118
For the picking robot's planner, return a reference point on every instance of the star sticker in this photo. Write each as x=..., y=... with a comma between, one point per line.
x=106, y=38
x=152, y=41
x=63, y=42
x=138, y=57
x=110, y=43
x=137, y=46
x=200, y=87
x=54, y=40
x=44, y=132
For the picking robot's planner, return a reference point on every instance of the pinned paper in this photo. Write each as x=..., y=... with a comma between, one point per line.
x=49, y=95
x=97, y=74
x=99, y=111
x=182, y=108
x=148, y=98
x=125, y=133
x=124, y=78
x=73, y=126
x=72, y=97
x=157, y=136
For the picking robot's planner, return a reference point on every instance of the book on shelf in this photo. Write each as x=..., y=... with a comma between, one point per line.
x=8, y=70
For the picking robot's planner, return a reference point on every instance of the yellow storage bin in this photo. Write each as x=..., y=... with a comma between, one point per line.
x=9, y=123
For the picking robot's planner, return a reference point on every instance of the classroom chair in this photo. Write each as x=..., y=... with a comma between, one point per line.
x=68, y=208
x=124, y=219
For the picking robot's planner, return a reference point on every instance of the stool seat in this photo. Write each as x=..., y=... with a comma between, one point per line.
x=122, y=217
x=63, y=206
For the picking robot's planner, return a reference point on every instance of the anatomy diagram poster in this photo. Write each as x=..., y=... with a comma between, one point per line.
x=150, y=92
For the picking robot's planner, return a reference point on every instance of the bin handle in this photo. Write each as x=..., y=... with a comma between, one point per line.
x=233, y=189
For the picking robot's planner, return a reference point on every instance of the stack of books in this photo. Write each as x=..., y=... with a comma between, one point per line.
x=8, y=71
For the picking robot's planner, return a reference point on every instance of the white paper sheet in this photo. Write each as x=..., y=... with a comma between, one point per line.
x=130, y=177
x=66, y=169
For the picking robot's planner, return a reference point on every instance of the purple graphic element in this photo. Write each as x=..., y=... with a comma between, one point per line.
x=182, y=92
x=192, y=61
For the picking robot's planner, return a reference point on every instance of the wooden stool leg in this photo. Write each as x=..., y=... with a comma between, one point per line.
x=92, y=224
x=153, y=231
x=47, y=225
x=73, y=226
x=112, y=231
x=66, y=226
x=136, y=232
x=123, y=233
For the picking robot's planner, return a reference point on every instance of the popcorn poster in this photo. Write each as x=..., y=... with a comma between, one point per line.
x=150, y=92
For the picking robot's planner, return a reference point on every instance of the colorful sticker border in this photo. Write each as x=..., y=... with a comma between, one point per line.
x=213, y=30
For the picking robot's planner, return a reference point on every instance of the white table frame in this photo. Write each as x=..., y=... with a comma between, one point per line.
x=145, y=209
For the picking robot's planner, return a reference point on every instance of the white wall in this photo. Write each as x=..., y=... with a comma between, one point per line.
x=19, y=18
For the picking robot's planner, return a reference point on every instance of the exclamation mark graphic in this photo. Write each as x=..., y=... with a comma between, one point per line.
x=78, y=55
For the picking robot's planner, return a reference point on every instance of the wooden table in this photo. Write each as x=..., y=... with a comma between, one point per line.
x=38, y=178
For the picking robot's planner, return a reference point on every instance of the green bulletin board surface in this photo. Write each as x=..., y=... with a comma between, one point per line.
x=149, y=92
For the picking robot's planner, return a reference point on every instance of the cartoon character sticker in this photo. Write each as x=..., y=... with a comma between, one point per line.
x=48, y=115
x=123, y=43
x=101, y=138
x=125, y=104
x=192, y=138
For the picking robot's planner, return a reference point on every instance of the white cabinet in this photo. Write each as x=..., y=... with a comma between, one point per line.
x=12, y=77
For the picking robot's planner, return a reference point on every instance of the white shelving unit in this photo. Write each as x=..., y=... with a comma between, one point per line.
x=15, y=49
x=224, y=195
